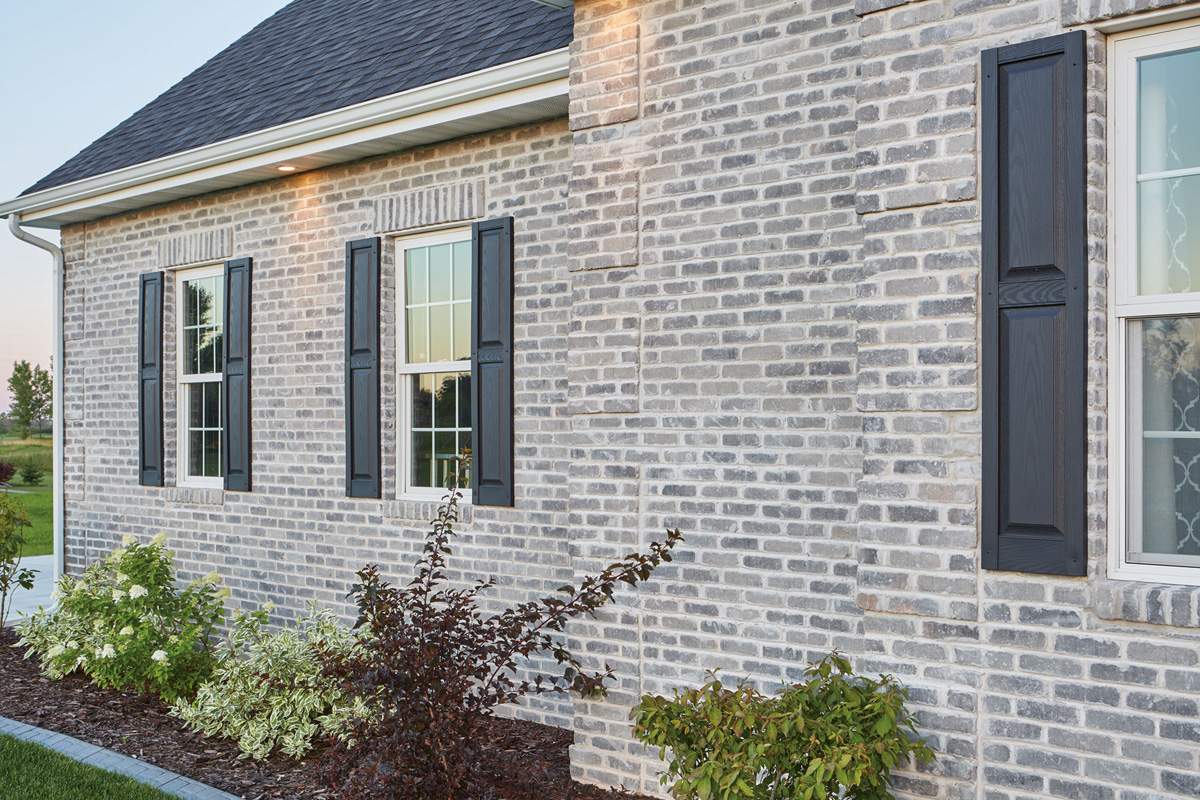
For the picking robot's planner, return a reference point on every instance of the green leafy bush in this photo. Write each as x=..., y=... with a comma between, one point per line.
x=13, y=521
x=833, y=735
x=268, y=691
x=32, y=473
x=126, y=625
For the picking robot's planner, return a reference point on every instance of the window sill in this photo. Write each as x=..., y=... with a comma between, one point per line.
x=1151, y=603
x=195, y=496
x=413, y=509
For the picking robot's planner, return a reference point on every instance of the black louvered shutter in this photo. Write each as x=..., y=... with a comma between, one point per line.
x=492, y=362
x=1035, y=307
x=150, y=364
x=363, y=472
x=235, y=434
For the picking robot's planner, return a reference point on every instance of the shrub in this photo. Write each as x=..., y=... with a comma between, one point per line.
x=833, y=735
x=7, y=471
x=32, y=474
x=13, y=521
x=267, y=690
x=127, y=625
x=436, y=666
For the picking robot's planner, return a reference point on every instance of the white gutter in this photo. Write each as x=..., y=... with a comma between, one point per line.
x=14, y=225
x=528, y=80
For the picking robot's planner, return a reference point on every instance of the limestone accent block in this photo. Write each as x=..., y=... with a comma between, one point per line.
x=604, y=343
x=195, y=247
x=604, y=199
x=431, y=205
x=605, y=56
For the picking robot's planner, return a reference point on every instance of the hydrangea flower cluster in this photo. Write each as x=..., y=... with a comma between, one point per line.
x=126, y=624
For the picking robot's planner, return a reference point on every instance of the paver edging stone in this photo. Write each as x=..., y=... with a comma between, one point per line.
x=96, y=756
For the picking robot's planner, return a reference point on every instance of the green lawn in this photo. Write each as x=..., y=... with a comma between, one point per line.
x=39, y=504
x=38, y=500
x=31, y=772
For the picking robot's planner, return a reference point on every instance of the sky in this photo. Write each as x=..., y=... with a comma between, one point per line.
x=70, y=70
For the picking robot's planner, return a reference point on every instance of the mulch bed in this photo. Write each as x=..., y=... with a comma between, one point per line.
x=525, y=761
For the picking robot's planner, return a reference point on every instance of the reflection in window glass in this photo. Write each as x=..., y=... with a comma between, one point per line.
x=438, y=303
x=440, y=401
x=437, y=329
x=202, y=302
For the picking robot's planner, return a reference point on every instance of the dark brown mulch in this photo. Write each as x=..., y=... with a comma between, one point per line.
x=525, y=761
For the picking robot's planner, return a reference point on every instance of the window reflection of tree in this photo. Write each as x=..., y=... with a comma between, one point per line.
x=205, y=340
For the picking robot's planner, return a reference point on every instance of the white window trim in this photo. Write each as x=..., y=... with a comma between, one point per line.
x=404, y=488
x=182, y=479
x=1124, y=304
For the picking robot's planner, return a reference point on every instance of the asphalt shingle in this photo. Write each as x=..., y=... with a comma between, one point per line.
x=315, y=56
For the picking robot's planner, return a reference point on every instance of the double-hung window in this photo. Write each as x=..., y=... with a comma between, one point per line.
x=434, y=346
x=1154, y=320
x=200, y=307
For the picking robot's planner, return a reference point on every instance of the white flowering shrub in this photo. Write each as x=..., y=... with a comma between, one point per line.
x=267, y=691
x=127, y=625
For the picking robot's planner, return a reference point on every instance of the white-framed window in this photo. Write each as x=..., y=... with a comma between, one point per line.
x=433, y=364
x=199, y=315
x=1154, y=308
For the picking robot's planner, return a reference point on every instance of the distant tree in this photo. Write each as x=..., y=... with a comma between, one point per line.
x=31, y=389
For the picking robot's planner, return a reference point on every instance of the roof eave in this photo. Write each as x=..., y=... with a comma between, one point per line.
x=508, y=94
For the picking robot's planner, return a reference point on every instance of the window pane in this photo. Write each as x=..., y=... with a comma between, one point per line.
x=195, y=453
x=440, y=332
x=1169, y=111
x=219, y=351
x=191, y=303
x=212, y=405
x=204, y=295
x=422, y=401
x=418, y=336
x=191, y=351
x=445, y=457
x=208, y=356
x=441, y=272
x=422, y=458
x=462, y=331
x=462, y=270
x=212, y=454
x=218, y=292
x=1169, y=235
x=464, y=400
x=1166, y=353
x=418, y=277
x=444, y=402
x=195, y=405
x=464, y=449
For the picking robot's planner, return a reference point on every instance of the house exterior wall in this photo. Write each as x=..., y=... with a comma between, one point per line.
x=296, y=536
x=747, y=306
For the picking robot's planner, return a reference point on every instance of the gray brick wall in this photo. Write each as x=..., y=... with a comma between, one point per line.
x=297, y=536
x=747, y=305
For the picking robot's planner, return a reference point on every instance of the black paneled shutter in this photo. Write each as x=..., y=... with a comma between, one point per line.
x=1034, y=356
x=235, y=434
x=150, y=364
x=492, y=362
x=363, y=472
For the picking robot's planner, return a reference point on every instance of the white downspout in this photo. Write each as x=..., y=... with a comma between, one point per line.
x=14, y=225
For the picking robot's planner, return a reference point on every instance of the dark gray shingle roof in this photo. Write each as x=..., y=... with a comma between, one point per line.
x=314, y=56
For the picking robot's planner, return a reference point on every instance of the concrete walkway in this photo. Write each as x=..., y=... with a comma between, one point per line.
x=96, y=756
x=27, y=601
